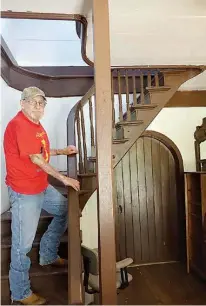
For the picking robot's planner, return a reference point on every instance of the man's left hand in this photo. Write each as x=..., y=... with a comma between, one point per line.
x=70, y=150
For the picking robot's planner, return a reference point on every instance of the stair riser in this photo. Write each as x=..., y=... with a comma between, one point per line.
x=5, y=292
x=46, y=285
x=33, y=255
x=54, y=182
x=89, y=183
x=6, y=227
x=129, y=129
x=91, y=166
x=119, y=133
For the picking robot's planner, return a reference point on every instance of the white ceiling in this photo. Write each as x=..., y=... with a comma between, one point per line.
x=160, y=32
x=142, y=32
x=43, y=42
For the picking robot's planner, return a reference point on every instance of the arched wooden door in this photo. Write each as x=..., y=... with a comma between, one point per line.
x=150, y=201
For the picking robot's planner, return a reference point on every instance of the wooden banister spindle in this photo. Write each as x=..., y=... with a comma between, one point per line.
x=142, y=98
x=113, y=106
x=120, y=97
x=79, y=143
x=84, y=140
x=149, y=80
x=127, y=96
x=157, y=80
x=134, y=90
x=91, y=123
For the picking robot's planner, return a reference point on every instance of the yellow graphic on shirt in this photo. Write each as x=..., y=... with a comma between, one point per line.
x=43, y=142
x=40, y=135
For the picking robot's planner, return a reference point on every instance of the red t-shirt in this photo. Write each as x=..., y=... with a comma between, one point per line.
x=21, y=139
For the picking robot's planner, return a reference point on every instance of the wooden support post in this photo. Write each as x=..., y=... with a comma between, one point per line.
x=75, y=288
x=106, y=221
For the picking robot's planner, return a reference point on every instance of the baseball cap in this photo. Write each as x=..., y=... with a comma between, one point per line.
x=31, y=92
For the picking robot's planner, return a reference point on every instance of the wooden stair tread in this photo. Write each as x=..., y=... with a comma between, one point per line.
x=174, y=71
x=80, y=174
x=6, y=216
x=6, y=241
x=143, y=106
x=82, y=192
x=86, y=174
x=92, y=159
x=129, y=123
x=158, y=89
x=64, y=190
x=37, y=270
x=119, y=141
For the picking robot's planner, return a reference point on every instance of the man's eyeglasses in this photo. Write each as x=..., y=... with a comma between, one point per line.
x=36, y=103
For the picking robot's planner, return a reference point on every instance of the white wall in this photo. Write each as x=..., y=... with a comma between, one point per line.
x=89, y=223
x=196, y=83
x=179, y=125
x=54, y=122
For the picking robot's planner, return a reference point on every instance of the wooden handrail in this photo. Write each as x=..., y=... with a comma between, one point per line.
x=75, y=288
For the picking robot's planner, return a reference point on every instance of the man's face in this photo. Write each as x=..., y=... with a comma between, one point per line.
x=34, y=107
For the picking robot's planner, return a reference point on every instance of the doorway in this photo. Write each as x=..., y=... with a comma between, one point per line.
x=150, y=202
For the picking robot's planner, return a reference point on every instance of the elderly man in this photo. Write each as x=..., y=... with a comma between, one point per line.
x=27, y=154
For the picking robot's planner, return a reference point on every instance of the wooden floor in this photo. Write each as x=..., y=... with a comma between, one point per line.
x=152, y=285
x=166, y=284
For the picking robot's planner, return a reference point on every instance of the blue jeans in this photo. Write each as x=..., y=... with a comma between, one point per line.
x=26, y=210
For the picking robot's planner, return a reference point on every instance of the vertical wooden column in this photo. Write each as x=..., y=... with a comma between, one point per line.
x=106, y=222
x=75, y=288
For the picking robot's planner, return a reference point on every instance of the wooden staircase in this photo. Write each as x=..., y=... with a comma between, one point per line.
x=134, y=108
x=40, y=276
x=133, y=111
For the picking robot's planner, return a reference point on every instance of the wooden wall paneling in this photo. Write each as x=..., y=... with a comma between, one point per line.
x=143, y=201
x=157, y=197
x=164, y=166
x=117, y=219
x=150, y=197
x=152, y=210
x=203, y=196
x=174, y=237
x=187, y=216
x=135, y=204
x=196, y=255
x=128, y=206
x=121, y=209
x=203, y=199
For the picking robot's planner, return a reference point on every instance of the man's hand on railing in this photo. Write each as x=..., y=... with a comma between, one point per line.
x=68, y=181
x=70, y=150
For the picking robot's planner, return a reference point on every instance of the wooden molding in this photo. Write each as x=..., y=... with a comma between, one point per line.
x=192, y=98
x=169, y=144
